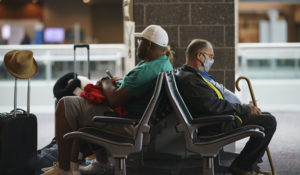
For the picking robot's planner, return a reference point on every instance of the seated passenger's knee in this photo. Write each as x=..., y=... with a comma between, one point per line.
x=61, y=103
x=272, y=123
x=59, y=107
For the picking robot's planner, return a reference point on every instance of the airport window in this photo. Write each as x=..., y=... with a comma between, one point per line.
x=97, y=68
x=101, y=67
x=285, y=63
x=55, y=61
x=259, y=63
x=239, y=61
x=41, y=74
x=4, y=75
x=59, y=68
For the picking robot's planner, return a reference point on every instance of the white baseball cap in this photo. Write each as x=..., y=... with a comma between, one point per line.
x=155, y=34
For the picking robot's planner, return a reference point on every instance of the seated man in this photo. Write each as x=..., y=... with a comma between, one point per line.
x=204, y=96
x=133, y=93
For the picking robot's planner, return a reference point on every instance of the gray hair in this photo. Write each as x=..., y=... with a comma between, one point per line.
x=194, y=46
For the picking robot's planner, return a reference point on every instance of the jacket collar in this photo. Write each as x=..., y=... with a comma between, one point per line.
x=190, y=69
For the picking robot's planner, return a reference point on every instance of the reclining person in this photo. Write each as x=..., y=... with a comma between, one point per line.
x=133, y=93
x=204, y=96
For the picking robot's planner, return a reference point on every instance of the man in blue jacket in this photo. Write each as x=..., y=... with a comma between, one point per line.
x=204, y=96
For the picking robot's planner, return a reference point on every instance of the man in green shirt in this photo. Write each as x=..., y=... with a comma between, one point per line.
x=133, y=92
x=142, y=87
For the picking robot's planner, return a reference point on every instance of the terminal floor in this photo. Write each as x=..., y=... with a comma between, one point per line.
x=285, y=145
x=284, y=148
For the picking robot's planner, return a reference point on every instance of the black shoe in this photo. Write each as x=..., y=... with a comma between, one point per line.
x=259, y=170
x=235, y=170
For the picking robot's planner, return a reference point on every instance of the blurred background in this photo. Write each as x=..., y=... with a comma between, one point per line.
x=61, y=22
x=267, y=36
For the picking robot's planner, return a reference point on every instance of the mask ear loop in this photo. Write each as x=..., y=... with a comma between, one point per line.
x=200, y=60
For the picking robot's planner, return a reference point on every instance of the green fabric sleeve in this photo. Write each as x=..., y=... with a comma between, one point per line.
x=138, y=81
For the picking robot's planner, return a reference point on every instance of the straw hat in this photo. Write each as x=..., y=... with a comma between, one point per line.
x=20, y=63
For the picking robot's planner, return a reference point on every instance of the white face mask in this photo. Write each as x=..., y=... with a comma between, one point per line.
x=208, y=63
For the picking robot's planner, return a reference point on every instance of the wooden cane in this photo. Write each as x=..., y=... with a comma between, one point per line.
x=255, y=104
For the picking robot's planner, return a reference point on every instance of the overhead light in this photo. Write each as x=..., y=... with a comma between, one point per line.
x=86, y=1
x=34, y=1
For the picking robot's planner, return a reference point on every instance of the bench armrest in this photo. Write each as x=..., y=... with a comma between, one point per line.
x=212, y=119
x=115, y=120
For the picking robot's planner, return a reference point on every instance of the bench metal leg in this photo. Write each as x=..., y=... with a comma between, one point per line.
x=120, y=166
x=208, y=165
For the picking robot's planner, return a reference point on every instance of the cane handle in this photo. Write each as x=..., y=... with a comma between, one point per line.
x=250, y=88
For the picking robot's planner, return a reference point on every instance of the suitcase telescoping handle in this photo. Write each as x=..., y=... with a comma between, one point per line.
x=88, y=57
x=28, y=98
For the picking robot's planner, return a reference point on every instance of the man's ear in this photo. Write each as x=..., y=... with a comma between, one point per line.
x=148, y=44
x=198, y=54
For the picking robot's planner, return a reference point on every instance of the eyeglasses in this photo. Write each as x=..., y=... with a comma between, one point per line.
x=211, y=56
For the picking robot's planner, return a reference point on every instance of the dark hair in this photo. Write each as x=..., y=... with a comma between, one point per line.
x=194, y=46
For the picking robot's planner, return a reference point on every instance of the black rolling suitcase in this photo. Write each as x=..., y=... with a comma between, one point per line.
x=18, y=140
x=88, y=58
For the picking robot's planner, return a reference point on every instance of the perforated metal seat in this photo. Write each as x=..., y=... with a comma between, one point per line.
x=120, y=146
x=207, y=146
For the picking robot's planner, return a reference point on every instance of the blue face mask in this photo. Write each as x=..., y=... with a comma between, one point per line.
x=208, y=63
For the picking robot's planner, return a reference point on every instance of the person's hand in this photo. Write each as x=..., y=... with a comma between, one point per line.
x=107, y=83
x=98, y=82
x=254, y=110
